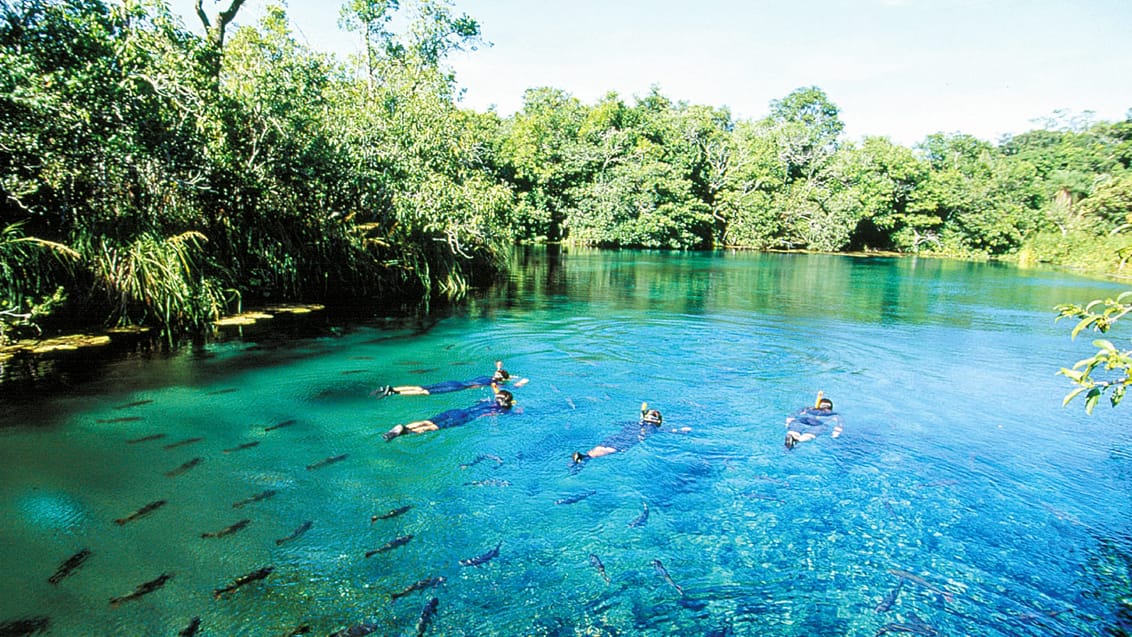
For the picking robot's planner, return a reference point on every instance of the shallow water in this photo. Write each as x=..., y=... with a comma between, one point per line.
x=961, y=488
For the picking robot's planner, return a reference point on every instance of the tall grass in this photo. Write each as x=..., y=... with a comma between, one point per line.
x=157, y=280
x=29, y=290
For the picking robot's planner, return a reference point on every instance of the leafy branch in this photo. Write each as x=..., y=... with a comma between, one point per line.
x=1100, y=316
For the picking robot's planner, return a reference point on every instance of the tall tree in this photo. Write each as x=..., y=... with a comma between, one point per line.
x=217, y=28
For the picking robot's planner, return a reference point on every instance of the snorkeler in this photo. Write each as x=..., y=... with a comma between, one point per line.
x=630, y=434
x=501, y=403
x=810, y=422
x=499, y=377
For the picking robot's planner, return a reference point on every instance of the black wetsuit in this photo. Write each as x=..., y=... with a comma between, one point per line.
x=457, y=385
x=814, y=421
x=457, y=417
x=630, y=434
x=449, y=386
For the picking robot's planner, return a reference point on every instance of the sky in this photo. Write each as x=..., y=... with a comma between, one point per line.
x=902, y=69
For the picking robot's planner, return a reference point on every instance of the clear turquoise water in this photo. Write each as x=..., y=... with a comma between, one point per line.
x=958, y=464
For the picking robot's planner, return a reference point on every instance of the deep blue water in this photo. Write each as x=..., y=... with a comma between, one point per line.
x=961, y=485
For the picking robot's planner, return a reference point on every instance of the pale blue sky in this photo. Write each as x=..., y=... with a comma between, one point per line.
x=898, y=68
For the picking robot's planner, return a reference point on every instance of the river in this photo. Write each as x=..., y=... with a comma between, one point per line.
x=961, y=499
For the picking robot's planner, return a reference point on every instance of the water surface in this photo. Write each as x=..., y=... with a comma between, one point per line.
x=961, y=490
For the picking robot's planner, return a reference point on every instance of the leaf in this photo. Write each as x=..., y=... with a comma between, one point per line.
x=1086, y=322
x=1105, y=345
x=1072, y=374
x=1071, y=395
x=1091, y=400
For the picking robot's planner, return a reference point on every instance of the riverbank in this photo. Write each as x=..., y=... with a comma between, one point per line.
x=35, y=361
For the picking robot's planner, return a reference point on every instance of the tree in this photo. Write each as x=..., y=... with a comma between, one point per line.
x=1110, y=206
x=755, y=175
x=809, y=128
x=887, y=178
x=541, y=155
x=217, y=29
x=1112, y=364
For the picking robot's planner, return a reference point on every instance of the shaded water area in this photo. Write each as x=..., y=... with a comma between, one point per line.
x=962, y=498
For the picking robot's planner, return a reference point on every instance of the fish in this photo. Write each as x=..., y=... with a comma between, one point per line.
x=183, y=468
x=890, y=599
x=642, y=518
x=327, y=461
x=243, y=580
x=137, y=403
x=482, y=559
x=571, y=499
x=350, y=372
x=596, y=562
x=285, y=423
x=762, y=496
x=182, y=443
x=263, y=495
x=303, y=528
x=357, y=630
x=480, y=458
x=148, y=438
x=490, y=482
x=144, y=588
x=392, y=514
x=191, y=629
x=916, y=579
x=69, y=565
x=914, y=626
x=668, y=578
x=428, y=582
x=300, y=630
x=228, y=530
x=145, y=510
x=114, y=421
x=246, y=445
x=426, y=615
x=21, y=627
x=938, y=483
x=390, y=545
x=227, y=390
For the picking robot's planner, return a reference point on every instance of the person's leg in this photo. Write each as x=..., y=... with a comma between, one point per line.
x=420, y=426
x=793, y=438
x=596, y=452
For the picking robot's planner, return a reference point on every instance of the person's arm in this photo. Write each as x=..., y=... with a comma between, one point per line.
x=837, y=426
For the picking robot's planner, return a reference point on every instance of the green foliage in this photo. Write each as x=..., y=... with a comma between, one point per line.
x=152, y=280
x=27, y=267
x=1110, y=206
x=1112, y=364
x=184, y=172
x=133, y=140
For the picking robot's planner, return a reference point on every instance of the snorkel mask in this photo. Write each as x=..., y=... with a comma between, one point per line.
x=505, y=399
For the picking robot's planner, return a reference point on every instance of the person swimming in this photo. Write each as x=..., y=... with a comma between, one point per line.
x=501, y=403
x=499, y=377
x=632, y=433
x=810, y=422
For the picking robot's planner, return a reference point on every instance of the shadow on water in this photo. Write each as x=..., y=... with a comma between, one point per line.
x=962, y=499
x=149, y=362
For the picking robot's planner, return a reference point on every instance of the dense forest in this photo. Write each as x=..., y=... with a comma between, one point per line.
x=154, y=176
